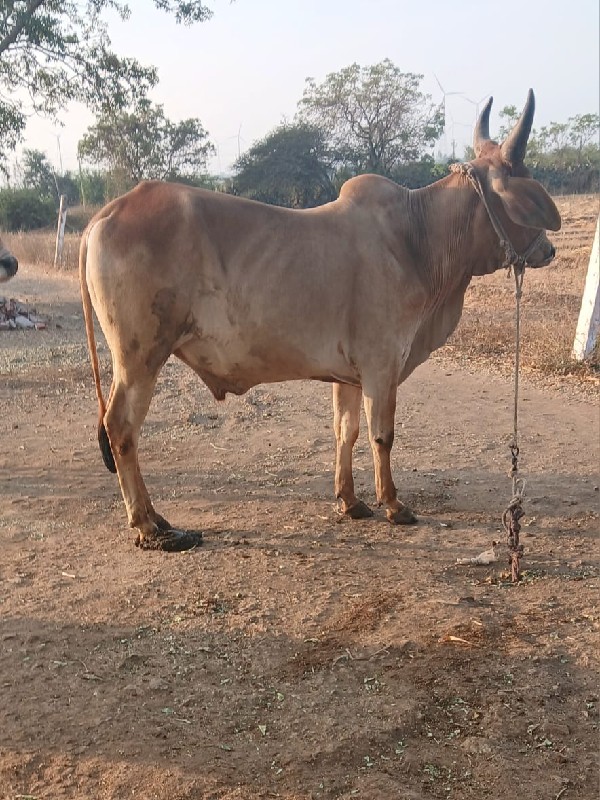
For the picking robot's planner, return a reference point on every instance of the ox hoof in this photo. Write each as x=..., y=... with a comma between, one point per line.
x=169, y=541
x=359, y=510
x=402, y=516
x=162, y=524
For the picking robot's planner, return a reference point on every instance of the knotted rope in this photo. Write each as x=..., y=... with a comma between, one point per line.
x=514, y=512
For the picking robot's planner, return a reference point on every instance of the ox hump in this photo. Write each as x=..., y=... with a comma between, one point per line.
x=371, y=189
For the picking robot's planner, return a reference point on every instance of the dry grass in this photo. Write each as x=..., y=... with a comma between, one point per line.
x=485, y=335
x=549, y=308
x=38, y=247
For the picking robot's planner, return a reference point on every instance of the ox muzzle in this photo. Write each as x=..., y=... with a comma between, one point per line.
x=539, y=253
x=8, y=266
x=549, y=258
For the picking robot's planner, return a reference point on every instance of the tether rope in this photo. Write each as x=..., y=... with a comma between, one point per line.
x=513, y=514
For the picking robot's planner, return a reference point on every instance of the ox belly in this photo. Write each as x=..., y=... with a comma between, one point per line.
x=237, y=363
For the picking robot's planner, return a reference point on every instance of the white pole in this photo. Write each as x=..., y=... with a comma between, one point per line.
x=60, y=232
x=589, y=315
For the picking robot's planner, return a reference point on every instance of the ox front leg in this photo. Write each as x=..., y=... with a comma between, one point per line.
x=124, y=417
x=346, y=415
x=380, y=409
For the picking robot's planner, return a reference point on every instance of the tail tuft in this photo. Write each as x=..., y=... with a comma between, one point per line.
x=107, y=455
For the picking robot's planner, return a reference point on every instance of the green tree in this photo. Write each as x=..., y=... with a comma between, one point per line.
x=415, y=174
x=56, y=51
x=25, y=210
x=38, y=174
x=509, y=115
x=290, y=167
x=584, y=131
x=374, y=117
x=93, y=187
x=143, y=144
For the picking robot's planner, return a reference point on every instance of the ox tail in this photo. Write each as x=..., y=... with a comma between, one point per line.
x=103, y=440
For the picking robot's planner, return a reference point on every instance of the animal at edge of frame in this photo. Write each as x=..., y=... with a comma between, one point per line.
x=8, y=263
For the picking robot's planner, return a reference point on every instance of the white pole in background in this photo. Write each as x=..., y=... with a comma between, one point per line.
x=60, y=232
x=589, y=316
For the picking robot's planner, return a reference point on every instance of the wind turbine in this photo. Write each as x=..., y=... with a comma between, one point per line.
x=476, y=103
x=445, y=94
x=454, y=124
x=239, y=138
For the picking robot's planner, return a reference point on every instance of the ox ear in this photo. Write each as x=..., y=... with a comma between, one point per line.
x=528, y=204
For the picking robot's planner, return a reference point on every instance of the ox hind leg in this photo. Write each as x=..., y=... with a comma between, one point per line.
x=380, y=409
x=127, y=408
x=346, y=416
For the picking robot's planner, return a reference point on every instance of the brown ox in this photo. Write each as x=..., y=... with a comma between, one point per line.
x=8, y=263
x=358, y=292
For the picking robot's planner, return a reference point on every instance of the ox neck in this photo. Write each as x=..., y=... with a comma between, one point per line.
x=459, y=240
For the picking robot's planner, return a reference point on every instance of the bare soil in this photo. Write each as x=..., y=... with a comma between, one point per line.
x=293, y=655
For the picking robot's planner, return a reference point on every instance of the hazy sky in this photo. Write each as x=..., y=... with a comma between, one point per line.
x=243, y=72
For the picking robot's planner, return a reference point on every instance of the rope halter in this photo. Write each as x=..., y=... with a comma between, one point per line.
x=511, y=257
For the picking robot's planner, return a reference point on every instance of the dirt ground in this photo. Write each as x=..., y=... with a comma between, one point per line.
x=293, y=655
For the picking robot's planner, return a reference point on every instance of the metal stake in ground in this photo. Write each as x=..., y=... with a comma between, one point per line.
x=514, y=512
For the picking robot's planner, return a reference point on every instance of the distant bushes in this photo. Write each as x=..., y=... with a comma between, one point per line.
x=79, y=216
x=25, y=210
x=568, y=180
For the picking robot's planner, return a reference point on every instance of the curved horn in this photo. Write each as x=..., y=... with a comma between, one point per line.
x=514, y=146
x=482, y=128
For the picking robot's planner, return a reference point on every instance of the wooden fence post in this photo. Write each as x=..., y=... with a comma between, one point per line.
x=589, y=315
x=60, y=232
